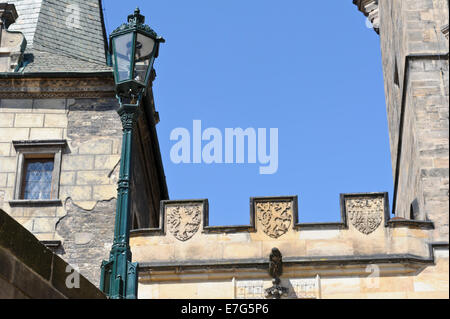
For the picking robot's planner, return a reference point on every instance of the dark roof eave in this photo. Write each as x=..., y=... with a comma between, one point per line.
x=17, y=75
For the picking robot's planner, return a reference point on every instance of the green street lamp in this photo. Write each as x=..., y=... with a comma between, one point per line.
x=135, y=46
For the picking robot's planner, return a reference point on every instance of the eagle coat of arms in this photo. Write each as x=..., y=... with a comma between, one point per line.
x=365, y=214
x=275, y=217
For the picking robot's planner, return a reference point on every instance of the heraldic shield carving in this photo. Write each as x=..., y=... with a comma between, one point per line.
x=275, y=217
x=365, y=214
x=183, y=220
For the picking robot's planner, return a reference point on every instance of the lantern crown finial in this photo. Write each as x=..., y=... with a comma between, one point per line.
x=136, y=18
x=136, y=21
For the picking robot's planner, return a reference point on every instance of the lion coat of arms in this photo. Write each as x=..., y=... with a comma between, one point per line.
x=183, y=221
x=365, y=214
x=275, y=217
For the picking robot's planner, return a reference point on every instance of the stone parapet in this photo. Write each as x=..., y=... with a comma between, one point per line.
x=365, y=230
x=323, y=260
x=29, y=270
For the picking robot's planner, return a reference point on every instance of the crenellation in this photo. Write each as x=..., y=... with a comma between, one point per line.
x=363, y=214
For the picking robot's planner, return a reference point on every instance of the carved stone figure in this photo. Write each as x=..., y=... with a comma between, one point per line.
x=183, y=221
x=365, y=214
x=275, y=217
x=275, y=271
x=276, y=263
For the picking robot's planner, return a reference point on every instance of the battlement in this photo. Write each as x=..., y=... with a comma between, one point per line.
x=365, y=234
x=265, y=210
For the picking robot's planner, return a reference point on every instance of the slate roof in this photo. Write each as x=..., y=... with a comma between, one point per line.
x=62, y=35
x=41, y=61
x=28, y=16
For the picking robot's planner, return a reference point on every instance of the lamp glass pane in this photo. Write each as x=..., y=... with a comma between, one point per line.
x=123, y=47
x=143, y=56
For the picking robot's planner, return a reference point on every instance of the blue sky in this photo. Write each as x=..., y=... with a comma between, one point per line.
x=312, y=69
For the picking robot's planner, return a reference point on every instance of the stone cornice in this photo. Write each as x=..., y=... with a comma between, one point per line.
x=62, y=86
x=370, y=9
x=334, y=266
x=444, y=30
x=326, y=266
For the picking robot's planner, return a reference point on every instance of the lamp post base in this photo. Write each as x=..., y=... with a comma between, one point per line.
x=124, y=288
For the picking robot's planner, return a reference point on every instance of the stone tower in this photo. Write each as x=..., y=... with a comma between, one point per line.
x=414, y=47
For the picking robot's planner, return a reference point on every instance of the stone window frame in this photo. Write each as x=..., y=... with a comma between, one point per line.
x=26, y=149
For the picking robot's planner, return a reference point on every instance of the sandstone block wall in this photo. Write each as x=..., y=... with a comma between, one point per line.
x=84, y=219
x=415, y=67
x=324, y=283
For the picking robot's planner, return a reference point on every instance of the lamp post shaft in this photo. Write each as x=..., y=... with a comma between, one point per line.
x=119, y=275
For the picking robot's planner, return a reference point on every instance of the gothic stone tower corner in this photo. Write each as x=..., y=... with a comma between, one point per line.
x=414, y=46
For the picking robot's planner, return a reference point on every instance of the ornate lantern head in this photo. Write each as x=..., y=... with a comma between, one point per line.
x=135, y=46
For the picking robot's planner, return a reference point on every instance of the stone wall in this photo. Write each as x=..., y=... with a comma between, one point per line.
x=84, y=219
x=30, y=270
x=429, y=110
x=415, y=66
x=364, y=255
x=89, y=183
